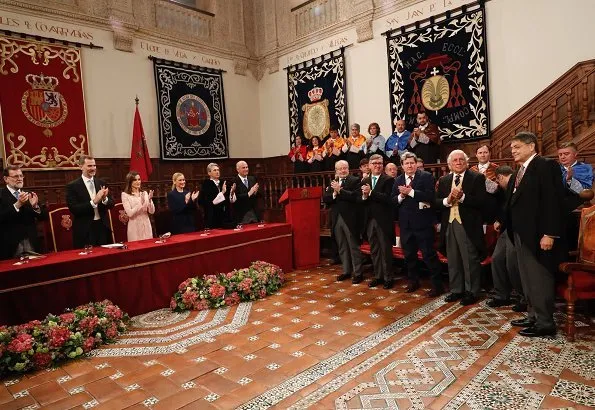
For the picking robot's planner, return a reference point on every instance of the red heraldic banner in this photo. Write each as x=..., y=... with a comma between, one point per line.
x=42, y=105
x=140, y=161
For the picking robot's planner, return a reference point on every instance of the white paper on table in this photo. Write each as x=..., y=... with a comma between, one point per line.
x=113, y=245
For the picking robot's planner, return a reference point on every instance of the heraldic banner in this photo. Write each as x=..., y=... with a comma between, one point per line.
x=42, y=105
x=317, y=96
x=441, y=68
x=191, y=111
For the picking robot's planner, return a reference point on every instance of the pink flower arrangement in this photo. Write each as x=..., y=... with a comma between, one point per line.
x=227, y=289
x=40, y=344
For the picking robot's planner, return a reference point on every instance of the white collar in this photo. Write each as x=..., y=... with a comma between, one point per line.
x=242, y=178
x=573, y=164
x=483, y=165
x=400, y=133
x=86, y=180
x=216, y=181
x=527, y=162
x=12, y=190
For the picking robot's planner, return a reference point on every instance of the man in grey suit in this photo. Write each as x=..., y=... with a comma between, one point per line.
x=341, y=196
x=461, y=196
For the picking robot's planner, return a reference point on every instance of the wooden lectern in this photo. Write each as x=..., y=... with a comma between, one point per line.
x=302, y=211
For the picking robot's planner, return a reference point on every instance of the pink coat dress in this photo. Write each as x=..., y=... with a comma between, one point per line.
x=139, y=225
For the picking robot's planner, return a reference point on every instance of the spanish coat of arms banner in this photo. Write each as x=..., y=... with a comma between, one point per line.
x=191, y=111
x=317, y=96
x=441, y=68
x=42, y=105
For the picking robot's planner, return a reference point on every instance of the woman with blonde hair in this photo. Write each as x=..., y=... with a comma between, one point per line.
x=182, y=205
x=137, y=205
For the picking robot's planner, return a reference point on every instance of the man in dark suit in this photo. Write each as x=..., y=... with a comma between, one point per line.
x=461, y=196
x=341, y=196
x=244, y=201
x=19, y=213
x=378, y=221
x=214, y=198
x=88, y=199
x=535, y=222
x=414, y=194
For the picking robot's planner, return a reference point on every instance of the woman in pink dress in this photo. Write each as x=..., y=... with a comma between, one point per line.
x=137, y=205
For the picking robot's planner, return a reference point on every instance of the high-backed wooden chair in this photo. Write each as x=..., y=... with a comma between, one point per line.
x=580, y=283
x=119, y=223
x=58, y=228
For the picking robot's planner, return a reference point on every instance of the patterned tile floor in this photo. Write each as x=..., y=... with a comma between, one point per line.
x=323, y=344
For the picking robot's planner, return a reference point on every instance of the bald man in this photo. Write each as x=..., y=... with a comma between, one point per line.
x=246, y=195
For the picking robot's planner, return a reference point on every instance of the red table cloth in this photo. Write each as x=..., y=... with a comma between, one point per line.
x=139, y=279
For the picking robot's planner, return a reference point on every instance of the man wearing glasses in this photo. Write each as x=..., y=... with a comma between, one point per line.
x=378, y=221
x=19, y=213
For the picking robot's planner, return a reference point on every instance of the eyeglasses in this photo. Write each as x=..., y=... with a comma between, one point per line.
x=376, y=163
x=16, y=176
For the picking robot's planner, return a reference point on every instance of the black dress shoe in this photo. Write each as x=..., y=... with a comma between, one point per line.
x=496, y=303
x=519, y=307
x=524, y=322
x=375, y=282
x=388, y=284
x=357, y=279
x=535, y=331
x=434, y=293
x=343, y=276
x=412, y=287
x=453, y=297
x=468, y=299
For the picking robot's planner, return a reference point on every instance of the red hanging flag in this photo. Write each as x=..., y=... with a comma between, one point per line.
x=140, y=161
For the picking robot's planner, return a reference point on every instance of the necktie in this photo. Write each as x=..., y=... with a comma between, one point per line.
x=16, y=194
x=457, y=180
x=409, y=181
x=374, y=182
x=342, y=181
x=519, y=176
x=245, y=181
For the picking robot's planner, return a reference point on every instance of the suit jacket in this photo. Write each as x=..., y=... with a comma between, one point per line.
x=470, y=209
x=182, y=213
x=16, y=226
x=215, y=215
x=244, y=203
x=345, y=204
x=536, y=208
x=379, y=206
x=410, y=216
x=79, y=204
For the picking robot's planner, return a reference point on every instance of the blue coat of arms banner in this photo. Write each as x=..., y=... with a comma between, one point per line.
x=441, y=68
x=317, y=96
x=191, y=111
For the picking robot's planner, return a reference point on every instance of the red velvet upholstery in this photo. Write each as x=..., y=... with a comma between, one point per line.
x=580, y=283
x=119, y=223
x=58, y=228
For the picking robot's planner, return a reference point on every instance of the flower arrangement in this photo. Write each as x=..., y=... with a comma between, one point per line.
x=227, y=289
x=41, y=344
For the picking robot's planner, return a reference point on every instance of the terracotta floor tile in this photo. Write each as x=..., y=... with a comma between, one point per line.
x=182, y=398
x=160, y=386
x=86, y=378
x=48, y=392
x=216, y=383
x=5, y=395
x=140, y=374
x=125, y=400
x=104, y=390
x=70, y=401
x=19, y=403
x=192, y=372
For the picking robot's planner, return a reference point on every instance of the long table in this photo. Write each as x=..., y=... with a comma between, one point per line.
x=139, y=279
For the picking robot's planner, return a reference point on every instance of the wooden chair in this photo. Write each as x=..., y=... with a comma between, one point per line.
x=58, y=228
x=580, y=283
x=118, y=221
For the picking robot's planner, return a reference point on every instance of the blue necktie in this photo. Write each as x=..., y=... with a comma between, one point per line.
x=374, y=182
x=16, y=194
